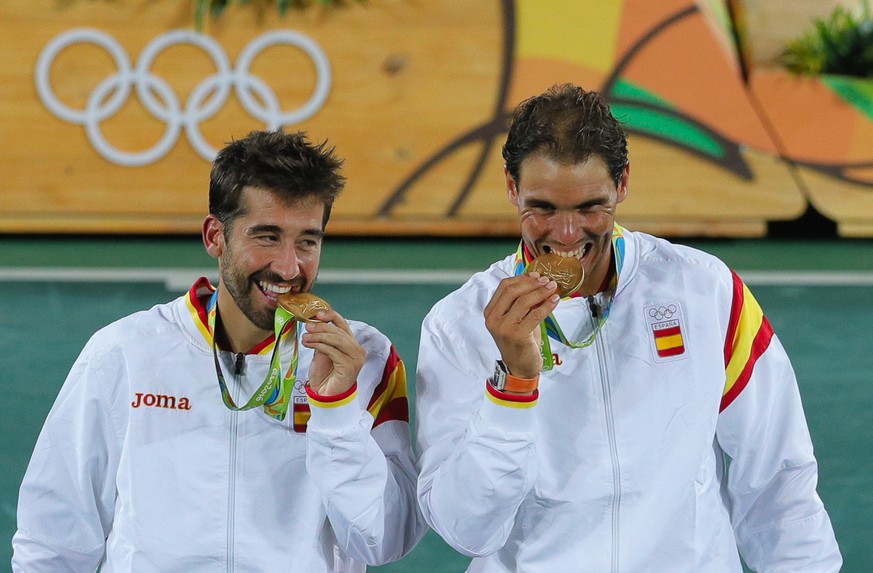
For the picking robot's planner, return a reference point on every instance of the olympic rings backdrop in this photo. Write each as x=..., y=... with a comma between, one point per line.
x=110, y=112
x=255, y=95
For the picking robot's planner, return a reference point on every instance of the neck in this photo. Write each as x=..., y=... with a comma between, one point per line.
x=601, y=277
x=610, y=272
x=234, y=331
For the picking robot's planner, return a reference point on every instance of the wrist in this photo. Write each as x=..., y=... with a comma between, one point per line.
x=328, y=396
x=504, y=381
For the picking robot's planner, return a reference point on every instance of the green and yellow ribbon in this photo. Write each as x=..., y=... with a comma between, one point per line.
x=274, y=393
x=549, y=328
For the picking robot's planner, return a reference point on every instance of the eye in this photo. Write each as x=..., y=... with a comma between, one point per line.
x=308, y=244
x=543, y=208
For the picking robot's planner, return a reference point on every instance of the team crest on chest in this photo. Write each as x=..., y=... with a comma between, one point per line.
x=667, y=333
x=300, y=406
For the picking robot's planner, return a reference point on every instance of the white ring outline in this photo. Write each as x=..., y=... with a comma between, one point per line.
x=101, y=105
x=308, y=46
x=63, y=41
x=134, y=159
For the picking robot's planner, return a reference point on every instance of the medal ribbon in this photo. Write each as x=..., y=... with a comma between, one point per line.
x=549, y=328
x=274, y=393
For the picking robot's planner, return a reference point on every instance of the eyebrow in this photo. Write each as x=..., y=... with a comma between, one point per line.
x=316, y=232
x=538, y=203
x=276, y=229
x=583, y=205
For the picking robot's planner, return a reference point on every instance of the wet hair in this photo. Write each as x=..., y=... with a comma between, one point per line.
x=566, y=124
x=287, y=165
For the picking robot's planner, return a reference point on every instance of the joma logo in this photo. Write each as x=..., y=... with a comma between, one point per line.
x=160, y=401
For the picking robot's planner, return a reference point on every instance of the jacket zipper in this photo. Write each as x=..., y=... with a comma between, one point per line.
x=231, y=492
x=231, y=474
x=610, y=430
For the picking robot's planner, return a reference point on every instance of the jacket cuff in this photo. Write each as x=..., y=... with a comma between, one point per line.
x=510, y=412
x=334, y=412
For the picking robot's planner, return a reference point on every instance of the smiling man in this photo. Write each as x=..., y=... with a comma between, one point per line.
x=220, y=432
x=579, y=400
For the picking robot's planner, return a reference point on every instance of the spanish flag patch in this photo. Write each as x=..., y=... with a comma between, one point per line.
x=665, y=325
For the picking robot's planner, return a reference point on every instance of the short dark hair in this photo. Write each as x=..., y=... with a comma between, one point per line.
x=567, y=124
x=285, y=164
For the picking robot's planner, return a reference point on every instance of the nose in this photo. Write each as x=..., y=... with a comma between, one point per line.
x=286, y=264
x=568, y=228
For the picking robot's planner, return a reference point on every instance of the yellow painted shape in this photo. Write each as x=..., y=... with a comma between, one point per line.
x=569, y=30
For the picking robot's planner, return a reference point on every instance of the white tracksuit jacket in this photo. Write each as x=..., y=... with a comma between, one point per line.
x=620, y=464
x=141, y=466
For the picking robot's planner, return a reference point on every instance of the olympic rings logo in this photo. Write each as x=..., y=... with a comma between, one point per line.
x=663, y=312
x=162, y=102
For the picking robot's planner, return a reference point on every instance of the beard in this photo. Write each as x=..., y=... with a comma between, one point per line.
x=240, y=286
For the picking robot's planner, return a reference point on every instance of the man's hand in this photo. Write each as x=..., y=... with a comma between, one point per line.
x=513, y=316
x=338, y=356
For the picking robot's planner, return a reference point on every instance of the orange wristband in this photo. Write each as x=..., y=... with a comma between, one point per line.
x=506, y=382
x=515, y=384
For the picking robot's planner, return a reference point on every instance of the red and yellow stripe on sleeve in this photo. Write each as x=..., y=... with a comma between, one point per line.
x=511, y=400
x=389, y=401
x=748, y=336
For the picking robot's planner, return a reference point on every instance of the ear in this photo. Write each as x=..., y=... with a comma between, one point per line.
x=622, y=187
x=511, y=187
x=213, y=236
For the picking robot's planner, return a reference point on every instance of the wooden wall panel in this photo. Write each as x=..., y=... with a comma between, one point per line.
x=824, y=124
x=417, y=105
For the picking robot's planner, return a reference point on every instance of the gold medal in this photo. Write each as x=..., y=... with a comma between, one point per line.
x=566, y=271
x=303, y=305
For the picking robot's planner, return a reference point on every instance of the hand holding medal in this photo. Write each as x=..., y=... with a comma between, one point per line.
x=512, y=317
x=338, y=356
x=567, y=272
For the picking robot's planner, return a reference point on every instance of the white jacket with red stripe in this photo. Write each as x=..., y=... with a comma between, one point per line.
x=621, y=463
x=141, y=467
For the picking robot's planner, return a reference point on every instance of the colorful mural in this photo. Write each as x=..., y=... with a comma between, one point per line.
x=826, y=127
x=702, y=162
x=116, y=110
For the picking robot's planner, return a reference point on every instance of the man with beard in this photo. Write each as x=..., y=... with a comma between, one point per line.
x=219, y=433
x=628, y=372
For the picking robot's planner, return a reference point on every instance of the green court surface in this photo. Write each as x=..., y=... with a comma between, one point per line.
x=55, y=292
